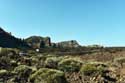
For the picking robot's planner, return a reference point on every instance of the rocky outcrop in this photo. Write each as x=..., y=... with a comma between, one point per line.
x=41, y=42
x=69, y=44
x=38, y=41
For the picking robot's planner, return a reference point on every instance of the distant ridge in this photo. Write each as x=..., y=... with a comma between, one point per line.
x=70, y=44
x=43, y=42
x=10, y=41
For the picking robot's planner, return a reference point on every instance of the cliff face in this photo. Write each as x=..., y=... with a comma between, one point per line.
x=38, y=41
x=7, y=40
x=69, y=44
x=42, y=42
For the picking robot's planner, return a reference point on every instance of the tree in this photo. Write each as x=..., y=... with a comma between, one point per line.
x=42, y=44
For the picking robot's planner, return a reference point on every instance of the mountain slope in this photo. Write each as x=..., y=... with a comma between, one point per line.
x=9, y=41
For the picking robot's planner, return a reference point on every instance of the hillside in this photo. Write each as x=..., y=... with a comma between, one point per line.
x=9, y=41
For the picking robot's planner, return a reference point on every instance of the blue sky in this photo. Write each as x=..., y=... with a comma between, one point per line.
x=87, y=21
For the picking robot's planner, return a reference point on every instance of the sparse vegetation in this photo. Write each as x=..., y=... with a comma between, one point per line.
x=52, y=62
x=45, y=75
x=69, y=65
x=50, y=68
x=92, y=69
x=120, y=61
x=22, y=73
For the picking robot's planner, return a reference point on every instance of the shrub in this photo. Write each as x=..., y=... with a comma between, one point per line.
x=3, y=51
x=13, y=64
x=45, y=75
x=5, y=63
x=5, y=75
x=69, y=65
x=52, y=62
x=92, y=69
x=120, y=60
x=21, y=68
x=38, y=61
x=3, y=72
x=26, y=61
x=22, y=73
x=7, y=51
x=97, y=64
x=34, y=60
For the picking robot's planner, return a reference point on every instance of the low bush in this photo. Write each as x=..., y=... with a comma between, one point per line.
x=5, y=75
x=38, y=61
x=5, y=63
x=120, y=61
x=3, y=72
x=45, y=75
x=3, y=51
x=52, y=62
x=8, y=52
x=92, y=69
x=22, y=73
x=69, y=65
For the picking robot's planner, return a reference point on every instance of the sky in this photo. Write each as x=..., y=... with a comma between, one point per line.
x=87, y=21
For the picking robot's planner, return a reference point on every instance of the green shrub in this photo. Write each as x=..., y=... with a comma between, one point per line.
x=5, y=75
x=22, y=73
x=52, y=62
x=13, y=63
x=38, y=61
x=45, y=75
x=69, y=65
x=3, y=72
x=97, y=64
x=21, y=68
x=3, y=51
x=120, y=60
x=92, y=69
x=5, y=63
x=8, y=51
